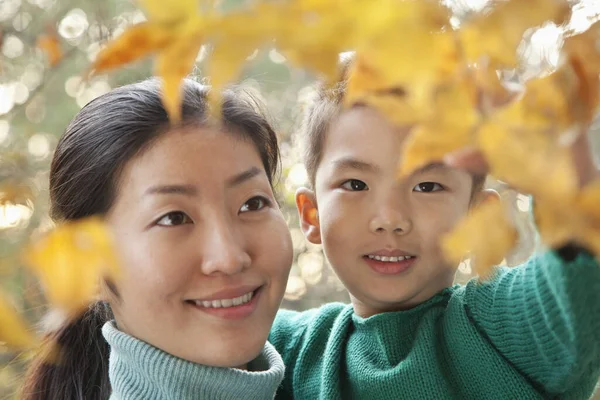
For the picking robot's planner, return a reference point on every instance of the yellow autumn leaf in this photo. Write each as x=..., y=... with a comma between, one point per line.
x=573, y=220
x=584, y=58
x=485, y=235
x=410, y=45
x=365, y=86
x=174, y=31
x=493, y=93
x=497, y=34
x=328, y=28
x=14, y=332
x=451, y=126
x=50, y=44
x=169, y=12
x=554, y=103
x=135, y=43
x=71, y=261
x=172, y=73
x=522, y=157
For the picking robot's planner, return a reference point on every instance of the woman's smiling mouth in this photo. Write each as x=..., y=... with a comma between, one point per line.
x=227, y=306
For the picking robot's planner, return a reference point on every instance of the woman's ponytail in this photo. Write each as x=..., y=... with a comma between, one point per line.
x=81, y=370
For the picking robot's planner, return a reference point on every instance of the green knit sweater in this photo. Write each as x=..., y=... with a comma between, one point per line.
x=531, y=332
x=139, y=371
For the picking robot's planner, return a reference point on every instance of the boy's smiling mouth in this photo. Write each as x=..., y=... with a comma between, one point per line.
x=388, y=259
x=389, y=262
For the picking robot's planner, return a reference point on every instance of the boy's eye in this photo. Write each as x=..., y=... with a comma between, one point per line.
x=355, y=185
x=174, y=218
x=428, y=187
x=256, y=203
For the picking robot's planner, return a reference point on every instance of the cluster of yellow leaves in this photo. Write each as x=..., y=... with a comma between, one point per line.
x=528, y=143
x=419, y=70
x=70, y=263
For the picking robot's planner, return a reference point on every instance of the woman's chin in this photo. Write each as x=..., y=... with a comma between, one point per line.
x=227, y=355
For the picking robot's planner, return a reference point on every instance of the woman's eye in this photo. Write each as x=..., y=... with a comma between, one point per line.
x=428, y=187
x=354, y=185
x=256, y=203
x=174, y=218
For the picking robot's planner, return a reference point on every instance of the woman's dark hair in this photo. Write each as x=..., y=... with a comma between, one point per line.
x=84, y=174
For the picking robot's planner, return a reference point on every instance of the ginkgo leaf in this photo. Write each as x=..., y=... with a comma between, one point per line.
x=493, y=92
x=327, y=30
x=172, y=73
x=485, y=235
x=574, y=220
x=14, y=332
x=520, y=157
x=50, y=44
x=365, y=86
x=584, y=58
x=554, y=103
x=169, y=12
x=409, y=44
x=451, y=126
x=497, y=34
x=72, y=260
x=135, y=43
x=174, y=31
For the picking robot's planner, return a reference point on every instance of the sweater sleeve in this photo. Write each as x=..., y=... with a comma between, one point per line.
x=544, y=318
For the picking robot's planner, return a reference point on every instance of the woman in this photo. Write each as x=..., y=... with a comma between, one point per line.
x=204, y=247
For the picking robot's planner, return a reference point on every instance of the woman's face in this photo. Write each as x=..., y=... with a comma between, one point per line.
x=206, y=252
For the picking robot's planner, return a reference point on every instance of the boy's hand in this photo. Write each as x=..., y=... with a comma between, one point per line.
x=473, y=160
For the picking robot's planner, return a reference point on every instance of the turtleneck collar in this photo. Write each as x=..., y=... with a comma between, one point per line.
x=138, y=370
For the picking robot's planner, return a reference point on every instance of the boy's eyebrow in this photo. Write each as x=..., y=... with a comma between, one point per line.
x=186, y=190
x=431, y=166
x=354, y=163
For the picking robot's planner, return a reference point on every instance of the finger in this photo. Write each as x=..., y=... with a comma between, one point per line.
x=469, y=159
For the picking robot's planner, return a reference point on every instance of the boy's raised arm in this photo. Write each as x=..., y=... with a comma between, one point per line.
x=544, y=317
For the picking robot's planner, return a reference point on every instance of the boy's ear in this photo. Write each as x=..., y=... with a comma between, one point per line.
x=306, y=202
x=484, y=196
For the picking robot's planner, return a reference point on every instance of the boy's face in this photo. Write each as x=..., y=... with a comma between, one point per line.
x=369, y=221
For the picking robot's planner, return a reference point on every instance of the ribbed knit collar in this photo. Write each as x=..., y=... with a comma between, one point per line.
x=138, y=370
x=391, y=335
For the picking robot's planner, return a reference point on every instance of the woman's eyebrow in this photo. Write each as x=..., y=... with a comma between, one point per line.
x=244, y=176
x=186, y=190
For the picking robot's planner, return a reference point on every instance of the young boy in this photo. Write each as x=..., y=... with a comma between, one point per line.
x=531, y=332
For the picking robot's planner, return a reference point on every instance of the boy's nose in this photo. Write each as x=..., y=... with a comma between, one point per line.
x=391, y=221
x=223, y=252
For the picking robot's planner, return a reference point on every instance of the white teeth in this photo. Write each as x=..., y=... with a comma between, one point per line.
x=226, y=303
x=389, y=259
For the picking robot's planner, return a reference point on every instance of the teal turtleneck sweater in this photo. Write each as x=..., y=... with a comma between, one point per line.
x=531, y=332
x=138, y=370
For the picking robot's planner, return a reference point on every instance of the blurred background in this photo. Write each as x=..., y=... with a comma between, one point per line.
x=45, y=48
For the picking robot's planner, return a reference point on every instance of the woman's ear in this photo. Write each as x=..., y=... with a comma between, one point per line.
x=306, y=202
x=484, y=196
